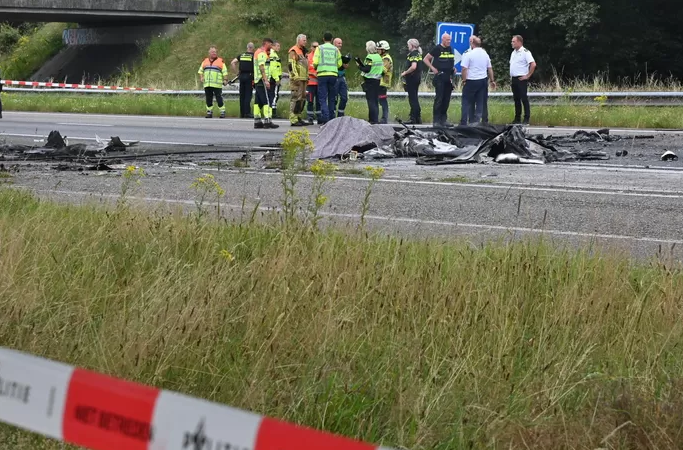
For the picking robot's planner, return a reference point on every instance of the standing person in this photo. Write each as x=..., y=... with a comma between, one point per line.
x=342, y=88
x=1, y=97
x=313, y=107
x=477, y=73
x=245, y=72
x=262, y=84
x=327, y=61
x=387, y=77
x=413, y=76
x=298, y=78
x=214, y=74
x=441, y=61
x=275, y=76
x=372, y=69
x=522, y=67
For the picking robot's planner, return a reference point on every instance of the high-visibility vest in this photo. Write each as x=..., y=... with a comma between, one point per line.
x=377, y=66
x=261, y=58
x=214, y=72
x=298, y=70
x=388, y=70
x=327, y=60
x=246, y=61
x=275, y=66
x=312, y=73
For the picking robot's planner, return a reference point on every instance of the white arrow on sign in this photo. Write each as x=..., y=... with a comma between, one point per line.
x=457, y=56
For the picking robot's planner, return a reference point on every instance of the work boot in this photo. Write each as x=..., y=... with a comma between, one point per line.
x=299, y=123
x=270, y=124
x=222, y=114
x=258, y=123
x=209, y=114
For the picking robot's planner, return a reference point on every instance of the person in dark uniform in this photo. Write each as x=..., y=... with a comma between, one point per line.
x=244, y=66
x=0, y=97
x=441, y=61
x=411, y=80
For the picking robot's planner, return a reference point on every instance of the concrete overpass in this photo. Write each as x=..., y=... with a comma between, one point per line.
x=101, y=12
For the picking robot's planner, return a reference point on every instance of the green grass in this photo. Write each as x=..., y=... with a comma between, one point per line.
x=561, y=114
x=173, y=63
x=424, y=344
x=32, y=51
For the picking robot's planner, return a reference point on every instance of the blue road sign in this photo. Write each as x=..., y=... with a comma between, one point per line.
x=460, y=38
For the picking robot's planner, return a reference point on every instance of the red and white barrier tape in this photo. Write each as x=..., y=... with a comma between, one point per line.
x=73, y=86
x=99, y=412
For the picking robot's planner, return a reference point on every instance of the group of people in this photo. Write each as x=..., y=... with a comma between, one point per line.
x=319, y=90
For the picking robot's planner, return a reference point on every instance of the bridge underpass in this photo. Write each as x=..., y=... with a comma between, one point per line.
x=111, y=33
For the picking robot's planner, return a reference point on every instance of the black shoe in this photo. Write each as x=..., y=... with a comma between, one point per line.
x=270, y=124
x=209, y=115
x=258, y=124
x=299, y=123
x=525, y=122
x=222, y=115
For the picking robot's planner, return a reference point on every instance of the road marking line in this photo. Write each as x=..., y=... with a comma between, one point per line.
x=408, y=220
x=85, y=124
x=94, y=139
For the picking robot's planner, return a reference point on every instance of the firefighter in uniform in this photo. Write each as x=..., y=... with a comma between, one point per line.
x=244, y=66
x=372, y=69
x=214, y=74
x=298, y=79
x=313, y=106
x=262, y=110
x=441, y=61
x=385, y=82
x=275, y=76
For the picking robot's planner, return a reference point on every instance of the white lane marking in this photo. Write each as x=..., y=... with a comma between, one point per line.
x=93, y=139
x=511, y=186
x=408, y=220
x=85, y=124
x=135, y=117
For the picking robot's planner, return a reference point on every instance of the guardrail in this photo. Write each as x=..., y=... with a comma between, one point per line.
x=47, y=87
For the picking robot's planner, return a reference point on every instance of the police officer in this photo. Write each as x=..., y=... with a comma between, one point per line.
x=1, y=97
x=214, y=74
x=275, y=76
x=387, y=77
x=262, y=110
x=522, y=66
x=246, y=78
x=372, y=69
x=298, y=78
x=441, y=61
x=342, y=87
x=412, y=77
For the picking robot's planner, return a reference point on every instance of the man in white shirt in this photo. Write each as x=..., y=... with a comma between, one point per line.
x=477, y=73
x=522, y=66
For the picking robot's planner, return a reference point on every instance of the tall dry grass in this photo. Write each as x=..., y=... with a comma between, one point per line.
x=423, y=344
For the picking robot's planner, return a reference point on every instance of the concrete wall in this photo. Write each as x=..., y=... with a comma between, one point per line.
x=130, y=34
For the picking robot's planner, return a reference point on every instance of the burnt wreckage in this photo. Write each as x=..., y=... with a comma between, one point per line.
x=459, y=144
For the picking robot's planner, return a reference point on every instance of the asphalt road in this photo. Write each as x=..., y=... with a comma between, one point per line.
x=627, y=208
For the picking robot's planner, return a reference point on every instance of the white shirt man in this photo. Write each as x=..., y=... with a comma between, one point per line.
x=477, y=63
x=476, y=73
x=522, y=66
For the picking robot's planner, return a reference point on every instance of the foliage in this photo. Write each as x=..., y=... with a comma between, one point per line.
x=31, y=51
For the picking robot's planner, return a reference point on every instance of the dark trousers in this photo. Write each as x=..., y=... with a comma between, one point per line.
x=371, y=88
x=327, y=92
x=0, y=102
x=342, y=94
x=519, y=93
x=443, y=87
x=384, y=104
x=246, y=90
x=474, y=95
x=412, y=87
x=210, y=94
x=274, y=95
x=313, y=102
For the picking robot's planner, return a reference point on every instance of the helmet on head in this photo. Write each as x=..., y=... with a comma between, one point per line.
x=383, y=45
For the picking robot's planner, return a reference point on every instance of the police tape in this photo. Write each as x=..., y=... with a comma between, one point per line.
x=45, y=84
x=99, y=412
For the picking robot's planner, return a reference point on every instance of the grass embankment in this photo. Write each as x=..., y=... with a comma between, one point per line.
x=562, y=114
x=32, y=51
x=424, y=344
x=173, y=63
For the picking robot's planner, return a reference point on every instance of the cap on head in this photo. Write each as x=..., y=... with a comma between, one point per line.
x=383, y=45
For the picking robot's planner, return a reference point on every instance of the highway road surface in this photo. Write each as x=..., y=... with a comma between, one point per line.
x=632, y=208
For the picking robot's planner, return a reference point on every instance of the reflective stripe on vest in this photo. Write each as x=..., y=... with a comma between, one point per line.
x=246, y=61
x=387, y=77
x=327, y=62
x=377, y=67
x=299, y=65
x=213, y=72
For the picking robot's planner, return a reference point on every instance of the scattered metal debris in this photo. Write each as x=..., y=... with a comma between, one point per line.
x=669, y=156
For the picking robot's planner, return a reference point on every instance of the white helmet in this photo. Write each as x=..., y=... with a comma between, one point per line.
x=383, y=45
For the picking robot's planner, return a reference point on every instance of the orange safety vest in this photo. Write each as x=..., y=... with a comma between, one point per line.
x=214, y=72
x=312, y=72
x=299, y=70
